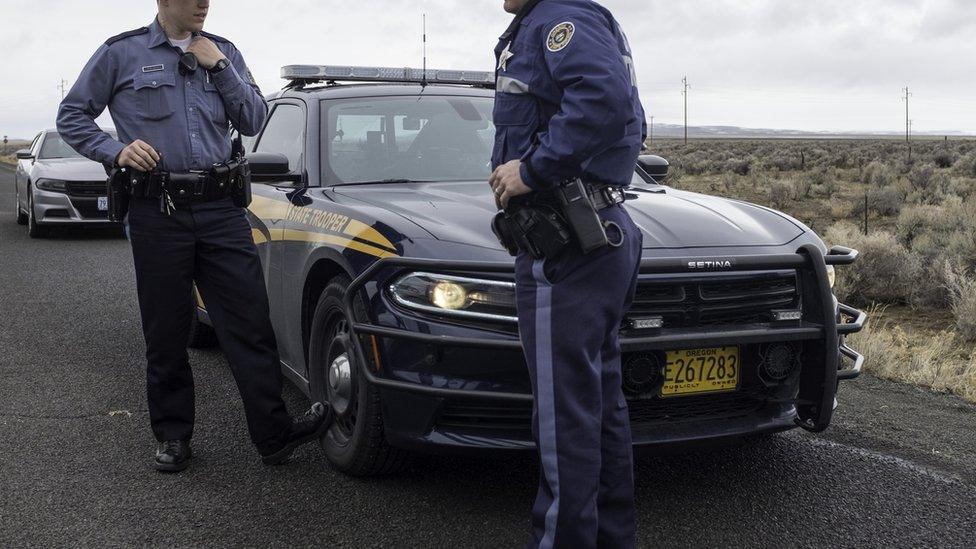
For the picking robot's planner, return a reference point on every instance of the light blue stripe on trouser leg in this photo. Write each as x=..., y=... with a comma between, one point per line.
x=545, y=397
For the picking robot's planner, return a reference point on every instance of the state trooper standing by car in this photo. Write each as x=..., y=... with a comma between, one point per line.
x=570, y=126
x=172, y=89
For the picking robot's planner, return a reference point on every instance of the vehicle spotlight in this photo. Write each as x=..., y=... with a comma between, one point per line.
x=831, y=275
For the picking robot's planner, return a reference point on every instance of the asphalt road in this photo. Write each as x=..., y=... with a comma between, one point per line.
x=897, y=469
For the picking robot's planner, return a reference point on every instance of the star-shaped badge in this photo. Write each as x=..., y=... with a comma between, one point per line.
x=504, y=57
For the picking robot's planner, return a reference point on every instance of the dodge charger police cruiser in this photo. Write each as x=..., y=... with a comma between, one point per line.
x=392, y=300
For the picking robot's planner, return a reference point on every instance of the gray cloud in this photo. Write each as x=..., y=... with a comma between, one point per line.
x=804, y=64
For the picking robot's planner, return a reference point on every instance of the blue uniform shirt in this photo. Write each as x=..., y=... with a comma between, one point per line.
x=566, y=99
x=185, y=118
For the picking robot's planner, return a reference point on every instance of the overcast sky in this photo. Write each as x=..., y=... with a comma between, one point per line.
x=831, y=65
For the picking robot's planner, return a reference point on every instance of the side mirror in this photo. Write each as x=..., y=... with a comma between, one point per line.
x=270, y=168
x=24, y=154
x=655, y=166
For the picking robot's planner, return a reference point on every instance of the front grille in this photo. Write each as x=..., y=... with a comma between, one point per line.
x=86, y=188
x=486, y=416
x=88, y=208
x=643, y=413
x=718, y=300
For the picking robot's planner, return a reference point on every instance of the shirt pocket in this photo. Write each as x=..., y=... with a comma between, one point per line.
x=516, y=119
x=156, y=93
x=214, y=103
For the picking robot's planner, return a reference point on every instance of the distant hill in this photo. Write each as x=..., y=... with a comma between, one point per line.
x=716, y=132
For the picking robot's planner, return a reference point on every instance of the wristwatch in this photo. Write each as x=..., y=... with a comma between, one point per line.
x=219, y=66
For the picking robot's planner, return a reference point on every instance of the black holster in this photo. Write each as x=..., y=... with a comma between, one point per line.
x=119, y=187
x=240, y=183
x=535, y=229
x=545, y=223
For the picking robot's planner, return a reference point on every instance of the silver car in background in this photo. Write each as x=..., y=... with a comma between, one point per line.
x=56, y=186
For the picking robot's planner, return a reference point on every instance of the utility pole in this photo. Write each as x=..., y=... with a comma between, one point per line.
x=63, y=86
x=684, y=92
x=908, y=123
x=911, y=124
x=651, y=133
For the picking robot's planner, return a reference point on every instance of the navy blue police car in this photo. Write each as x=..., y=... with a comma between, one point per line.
x=392, y=299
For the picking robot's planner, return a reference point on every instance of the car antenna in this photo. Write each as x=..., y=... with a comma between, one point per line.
x=423, y=48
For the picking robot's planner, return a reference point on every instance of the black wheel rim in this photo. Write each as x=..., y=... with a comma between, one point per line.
x=344, y=426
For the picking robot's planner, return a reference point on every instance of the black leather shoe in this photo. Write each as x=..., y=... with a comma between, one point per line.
x=173, y=456
x=304, y=429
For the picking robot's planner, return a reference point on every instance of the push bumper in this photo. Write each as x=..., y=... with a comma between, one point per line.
x=811, y=409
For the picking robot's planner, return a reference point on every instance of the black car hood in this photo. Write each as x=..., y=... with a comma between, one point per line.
x=669, y=218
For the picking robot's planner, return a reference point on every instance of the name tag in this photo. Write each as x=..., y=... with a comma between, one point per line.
x=153, y=68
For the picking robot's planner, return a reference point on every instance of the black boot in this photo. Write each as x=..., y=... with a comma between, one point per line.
x=173, y=456
x=304, y=428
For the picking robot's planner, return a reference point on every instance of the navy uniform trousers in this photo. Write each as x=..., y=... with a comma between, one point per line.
x=211, y=244
x=570, y=309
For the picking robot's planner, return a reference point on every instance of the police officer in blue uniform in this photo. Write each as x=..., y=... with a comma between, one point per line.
x=173, y=92
x=567, y=107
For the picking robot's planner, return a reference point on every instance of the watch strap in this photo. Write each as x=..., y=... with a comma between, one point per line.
x=219, y=66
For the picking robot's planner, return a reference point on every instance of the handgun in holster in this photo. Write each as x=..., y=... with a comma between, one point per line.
x=535, y=229
x=240, y=185
x=118, y=189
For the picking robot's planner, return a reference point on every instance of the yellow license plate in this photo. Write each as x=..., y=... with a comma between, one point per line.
x=696, y=371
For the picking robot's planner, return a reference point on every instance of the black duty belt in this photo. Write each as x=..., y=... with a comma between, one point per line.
x=182, y=188
x=602, y=196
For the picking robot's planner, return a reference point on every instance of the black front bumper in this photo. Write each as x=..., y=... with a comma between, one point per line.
x=424, y=412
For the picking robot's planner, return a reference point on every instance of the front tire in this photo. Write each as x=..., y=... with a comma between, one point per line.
x=355, y=443
x=34, y=230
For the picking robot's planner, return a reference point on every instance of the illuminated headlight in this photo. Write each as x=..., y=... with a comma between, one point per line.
x=831, y=275
x=456, y=296
x=449, y=295
x=55, y=185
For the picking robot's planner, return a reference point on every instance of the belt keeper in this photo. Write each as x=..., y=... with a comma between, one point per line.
x=199, y=185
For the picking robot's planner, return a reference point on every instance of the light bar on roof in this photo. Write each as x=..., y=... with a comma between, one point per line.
x=384, y=74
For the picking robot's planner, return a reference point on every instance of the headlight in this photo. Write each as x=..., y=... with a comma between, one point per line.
x=456, y=296
x=449, y=295
x=55, y=185
x=831, y=275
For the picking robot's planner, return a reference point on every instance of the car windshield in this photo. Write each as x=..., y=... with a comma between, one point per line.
x=405, y=139
x=54, y=147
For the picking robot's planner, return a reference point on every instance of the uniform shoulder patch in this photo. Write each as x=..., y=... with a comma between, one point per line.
x=214, y=37
x=560, y=36
x=124, y=35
